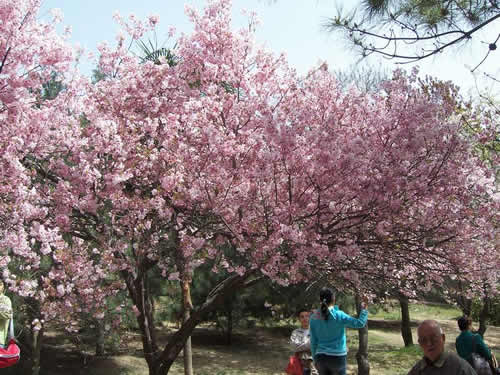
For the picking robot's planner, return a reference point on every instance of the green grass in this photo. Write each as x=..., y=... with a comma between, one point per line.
x=395, y=361
x=263, y=348
x=418, y=311
x=223, y=372
x=386, y=352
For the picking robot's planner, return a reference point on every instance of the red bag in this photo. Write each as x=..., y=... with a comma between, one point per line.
x=10, y=355
x=294, y=366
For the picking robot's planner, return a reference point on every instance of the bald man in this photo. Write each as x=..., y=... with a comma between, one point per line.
x=436, y=361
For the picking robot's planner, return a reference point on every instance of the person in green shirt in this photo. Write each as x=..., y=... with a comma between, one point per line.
x=468, y=342
x=5, y=314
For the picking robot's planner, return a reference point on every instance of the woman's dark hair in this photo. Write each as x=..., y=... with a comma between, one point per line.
x=464, y=322
x=326, y=296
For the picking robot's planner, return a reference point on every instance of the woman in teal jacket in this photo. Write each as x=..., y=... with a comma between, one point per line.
x=327, y=330
x=468, y=342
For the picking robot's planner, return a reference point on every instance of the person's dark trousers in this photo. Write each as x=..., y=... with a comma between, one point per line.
x=331, y=365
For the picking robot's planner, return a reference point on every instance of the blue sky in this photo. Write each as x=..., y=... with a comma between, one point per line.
x=291, y=26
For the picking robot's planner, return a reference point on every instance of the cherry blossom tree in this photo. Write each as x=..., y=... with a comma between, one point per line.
x=148, y=180
x=410, y=206
x=229, y=158
x=38, y=264
x=230, y=146
x=29, y=52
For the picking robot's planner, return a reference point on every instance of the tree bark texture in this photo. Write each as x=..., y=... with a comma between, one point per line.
x=405, y=321
x=362, y=354
x=187, y=306
x=36, y=344
x=35, y=334
x=139, y=293
x=229, y=332
x=159, y=361
x=214, y=299
x=483, y=316
x=99, y=344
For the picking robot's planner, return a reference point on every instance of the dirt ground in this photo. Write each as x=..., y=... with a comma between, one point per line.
x=256, y=351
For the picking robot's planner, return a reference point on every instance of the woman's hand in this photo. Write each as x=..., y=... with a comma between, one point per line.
x=364, y=302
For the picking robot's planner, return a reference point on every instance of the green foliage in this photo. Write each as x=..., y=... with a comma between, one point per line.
x=493, y=317
x=168, y=306
x=97, y=76
x=364, y=78
x=238, y=307
x=436, y=12
x=52, y=88
x=158, y=55
x=481, y=126
x=22, y=309
x=427, y=26
x=49, y=89
x=375, y=6
x=265, y=302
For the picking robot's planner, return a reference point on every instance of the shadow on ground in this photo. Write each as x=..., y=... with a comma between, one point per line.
x=256, y=351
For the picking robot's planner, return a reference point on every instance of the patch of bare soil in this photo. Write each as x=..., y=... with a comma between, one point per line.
x=256, y=351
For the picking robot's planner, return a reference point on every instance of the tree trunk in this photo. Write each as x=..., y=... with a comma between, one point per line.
x=468, y=307
x=36, y=344
x=405, y=321
x=215, y=298
x=229, y=332
x=362, y=354
x=483, y=316
x=35, y=333
x=187, y=306
x=99, y=344
x=464, y=302
x=160, y=361
x=139, y=293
